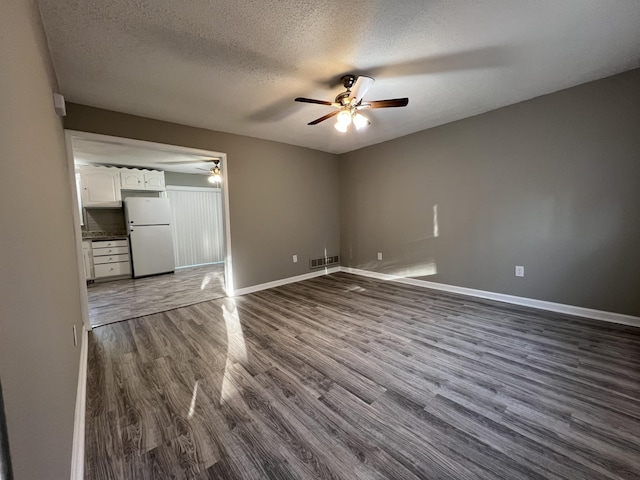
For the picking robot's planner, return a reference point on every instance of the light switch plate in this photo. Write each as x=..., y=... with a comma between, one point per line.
x=519, y=271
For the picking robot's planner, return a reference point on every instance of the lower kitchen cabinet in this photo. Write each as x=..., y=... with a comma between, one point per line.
x=112, y=269
x=87, y=258
x=111, y=258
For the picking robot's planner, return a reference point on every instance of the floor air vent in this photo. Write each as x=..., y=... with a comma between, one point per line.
x=323, y=262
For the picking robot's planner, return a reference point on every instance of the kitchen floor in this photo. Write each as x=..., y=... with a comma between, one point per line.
x=129, y=298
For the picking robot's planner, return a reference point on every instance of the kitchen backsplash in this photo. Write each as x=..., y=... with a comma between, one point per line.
x=104, y=219
x=110, y=219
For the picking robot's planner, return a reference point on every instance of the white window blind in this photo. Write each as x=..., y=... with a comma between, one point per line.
x=197, y=225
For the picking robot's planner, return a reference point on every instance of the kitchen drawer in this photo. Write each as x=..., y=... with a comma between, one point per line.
x=110, y=259
x=110, y=243
x=111, y=269
x=109, y=251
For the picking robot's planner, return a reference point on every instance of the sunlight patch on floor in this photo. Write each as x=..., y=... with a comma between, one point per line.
x=236, y=348
x=355, y=288
x=205, y=281
x=192, y=407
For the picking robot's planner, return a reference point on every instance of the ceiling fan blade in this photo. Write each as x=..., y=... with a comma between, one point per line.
x=359, y=89
x=396, y=102
x=322, y=119
x=311, y=100
x=203, y=169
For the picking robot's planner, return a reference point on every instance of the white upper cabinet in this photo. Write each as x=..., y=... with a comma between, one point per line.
x=135, y=179
x=153, y=180
x=100, y=187
x=131, y=179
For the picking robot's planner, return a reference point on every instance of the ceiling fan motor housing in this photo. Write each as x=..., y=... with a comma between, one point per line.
x=343, y=97
x=348, y=81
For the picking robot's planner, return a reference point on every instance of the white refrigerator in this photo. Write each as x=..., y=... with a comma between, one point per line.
x=149, y=227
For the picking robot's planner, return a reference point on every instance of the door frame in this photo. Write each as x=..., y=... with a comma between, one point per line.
x=71, y=134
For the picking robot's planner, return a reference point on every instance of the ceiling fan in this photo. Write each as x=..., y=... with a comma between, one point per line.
x=214, y=172
x=349, y=103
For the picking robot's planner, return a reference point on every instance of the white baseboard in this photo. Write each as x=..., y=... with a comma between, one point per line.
x=77, y=455
x=284, y=281
x=527, y=302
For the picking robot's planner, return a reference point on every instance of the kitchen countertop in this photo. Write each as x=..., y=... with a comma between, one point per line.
x=101, y=235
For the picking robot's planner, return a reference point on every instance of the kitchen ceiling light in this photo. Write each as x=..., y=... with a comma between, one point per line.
x=215, y=176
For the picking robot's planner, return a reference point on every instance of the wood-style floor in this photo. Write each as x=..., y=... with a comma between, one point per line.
x=128, y=298
x=343, y=377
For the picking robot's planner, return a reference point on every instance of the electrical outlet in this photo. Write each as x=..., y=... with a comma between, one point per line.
x=519, y=271
x=295, y=259
x=75, y=336
x=379, y=255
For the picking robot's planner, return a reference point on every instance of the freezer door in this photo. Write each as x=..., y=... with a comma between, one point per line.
x=151, y=250
x=147, y=211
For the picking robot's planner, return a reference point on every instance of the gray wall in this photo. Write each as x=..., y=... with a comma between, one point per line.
x=187, y=180
x=283, y=199
x=549, y=184
x=552, y=184
x=39, y=297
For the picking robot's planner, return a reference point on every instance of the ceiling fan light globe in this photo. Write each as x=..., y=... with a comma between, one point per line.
x=360, y=121
x=341, y=127
x=211, y=179
x=344, y=118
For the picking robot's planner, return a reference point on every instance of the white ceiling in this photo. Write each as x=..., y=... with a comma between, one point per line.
x=150, y=156
x=236, y=66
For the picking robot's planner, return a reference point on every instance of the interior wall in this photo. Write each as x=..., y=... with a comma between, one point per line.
x=39, y=297
x=550, y=184
x=187, y=180
x=283, y=199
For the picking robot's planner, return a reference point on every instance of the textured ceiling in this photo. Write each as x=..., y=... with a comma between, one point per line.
x=236, y=66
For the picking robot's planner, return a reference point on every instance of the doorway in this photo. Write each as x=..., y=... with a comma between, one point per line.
x=200, y=225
